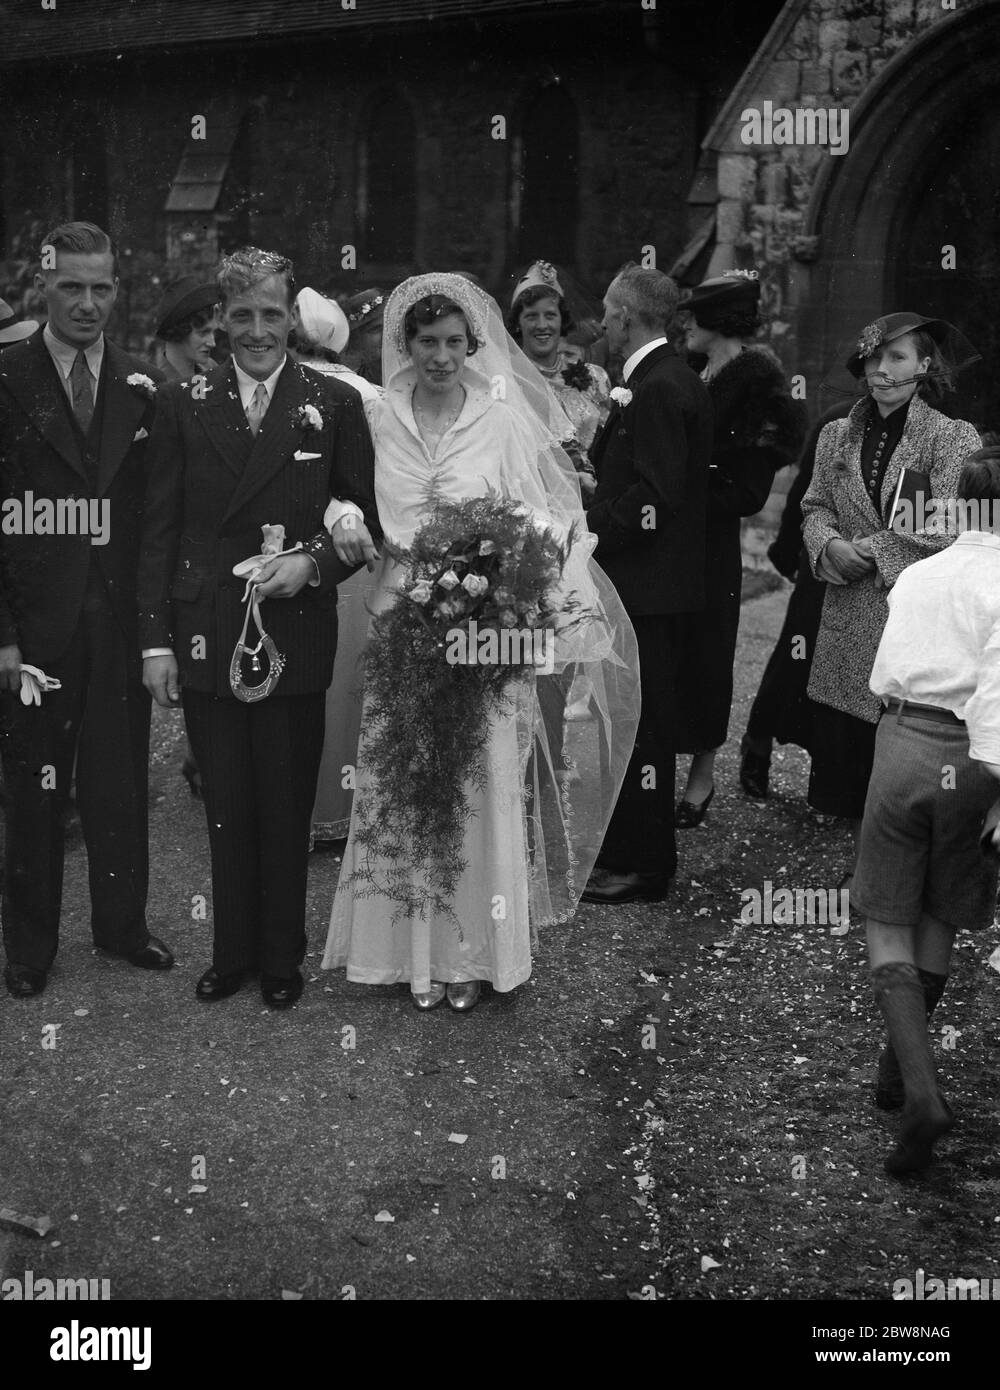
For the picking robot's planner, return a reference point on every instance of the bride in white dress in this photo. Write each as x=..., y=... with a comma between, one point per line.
x=464, y=413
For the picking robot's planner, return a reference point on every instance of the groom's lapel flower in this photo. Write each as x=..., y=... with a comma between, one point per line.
x=621, y=396
x=307, y=417
x=140, y=382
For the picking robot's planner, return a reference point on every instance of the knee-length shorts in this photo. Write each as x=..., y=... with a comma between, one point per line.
x=919, y=849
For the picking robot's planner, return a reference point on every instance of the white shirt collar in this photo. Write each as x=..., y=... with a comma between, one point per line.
x=249, y=384
x=64, y=354
x=638, y=355
x=978, y=538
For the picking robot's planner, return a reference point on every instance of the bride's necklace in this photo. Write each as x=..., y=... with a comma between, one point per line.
x=439, y=424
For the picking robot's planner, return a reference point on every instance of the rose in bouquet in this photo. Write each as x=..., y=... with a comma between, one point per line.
x=477, y=611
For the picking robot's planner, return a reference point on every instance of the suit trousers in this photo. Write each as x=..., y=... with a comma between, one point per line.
x=101, y=716
x=259, y=765
x=641, y=837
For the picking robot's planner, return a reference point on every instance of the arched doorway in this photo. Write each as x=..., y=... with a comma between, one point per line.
x=919, y=175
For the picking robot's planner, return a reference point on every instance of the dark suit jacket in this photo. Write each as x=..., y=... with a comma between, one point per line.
x=211, y=486
x=654, y=454
x=42, y=451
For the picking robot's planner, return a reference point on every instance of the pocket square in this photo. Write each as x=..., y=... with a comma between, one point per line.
x=301, y=455
x=140, y=434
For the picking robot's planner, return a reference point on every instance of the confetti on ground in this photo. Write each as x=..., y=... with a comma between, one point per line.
x=37, y=1225
x=457, y=1138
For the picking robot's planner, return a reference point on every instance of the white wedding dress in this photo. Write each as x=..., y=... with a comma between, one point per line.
x=535, y=827
x=491, y=901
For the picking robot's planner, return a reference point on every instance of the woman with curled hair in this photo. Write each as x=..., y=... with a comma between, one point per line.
x=539, y=321
x=444, y=435
x=906, y=362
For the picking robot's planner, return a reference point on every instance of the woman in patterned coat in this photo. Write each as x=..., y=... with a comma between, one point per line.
x=905, y=360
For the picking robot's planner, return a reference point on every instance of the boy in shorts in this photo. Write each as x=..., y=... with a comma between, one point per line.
x=920, y=874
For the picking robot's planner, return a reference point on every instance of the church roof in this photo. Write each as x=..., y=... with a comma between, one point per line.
x=29, y=33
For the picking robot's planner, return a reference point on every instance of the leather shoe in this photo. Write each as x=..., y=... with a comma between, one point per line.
x=22, y=982
x=603, y=886
x=153, y=956
x=755, y=773
x=281, y=992
x=464, y=995
x=690, y=814
x=212, y=985
x=433, y=997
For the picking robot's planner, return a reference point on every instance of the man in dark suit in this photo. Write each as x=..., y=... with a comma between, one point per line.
x=260, y=441
x=648, y=513
x=75, y=412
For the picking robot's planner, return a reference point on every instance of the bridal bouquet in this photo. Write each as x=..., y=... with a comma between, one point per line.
x=474, y=613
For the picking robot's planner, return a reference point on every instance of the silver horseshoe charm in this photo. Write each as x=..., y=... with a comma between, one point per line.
x=249, y=694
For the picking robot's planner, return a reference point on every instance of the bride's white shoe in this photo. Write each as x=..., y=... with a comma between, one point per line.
x=463, y=996
x=430, y=1000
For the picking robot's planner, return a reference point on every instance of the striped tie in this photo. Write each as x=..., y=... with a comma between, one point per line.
x=80, y=380
x=256, y=408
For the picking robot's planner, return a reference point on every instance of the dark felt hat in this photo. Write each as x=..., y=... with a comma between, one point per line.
x=13, y=329
x=890, y=327
x=185, y=298
x=721, y=295
x=365, y=310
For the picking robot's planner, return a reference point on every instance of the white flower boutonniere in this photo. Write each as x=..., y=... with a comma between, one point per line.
x=621, y=395
x=309, y=418
x=142, y=383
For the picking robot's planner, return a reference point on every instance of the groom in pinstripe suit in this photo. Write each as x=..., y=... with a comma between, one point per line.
x=260, y=441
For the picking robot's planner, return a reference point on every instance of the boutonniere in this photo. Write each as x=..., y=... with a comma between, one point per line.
x=307, y=417
x=839, y=464
x=577, y=375
x=621, y=395
x=140, y=382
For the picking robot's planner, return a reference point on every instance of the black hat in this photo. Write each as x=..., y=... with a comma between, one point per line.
x=185, y=298
x=721, y=295
x=365, y=310
x=887, y=329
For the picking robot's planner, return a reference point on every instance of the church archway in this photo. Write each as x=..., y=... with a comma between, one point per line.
x=911, y=184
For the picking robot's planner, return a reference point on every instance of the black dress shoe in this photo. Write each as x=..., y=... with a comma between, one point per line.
x=755, y=773
x=191, y=773
x=604, y=886
x=22, y=982
x=281, y=993
x=212, y=985
x=690, y=814
x=153, y=956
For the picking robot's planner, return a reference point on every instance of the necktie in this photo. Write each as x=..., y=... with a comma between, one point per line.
x=80, y=380
x=256, y=408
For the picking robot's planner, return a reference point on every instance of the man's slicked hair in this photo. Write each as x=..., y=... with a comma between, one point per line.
x=248, y=267
x=649, y=294
x=80, y=239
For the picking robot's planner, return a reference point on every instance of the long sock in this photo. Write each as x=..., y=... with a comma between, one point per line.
x=926, y=1117
x=900, y=996
x=889, y=1085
